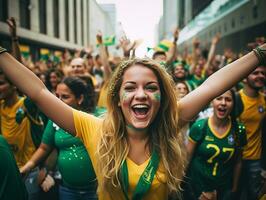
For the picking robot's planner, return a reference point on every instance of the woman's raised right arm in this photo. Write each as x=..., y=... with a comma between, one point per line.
x=28, y=83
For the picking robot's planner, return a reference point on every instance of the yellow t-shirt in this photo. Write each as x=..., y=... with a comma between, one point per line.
x=103, y=96
x=18, y=135
x=88, y=128
x=251, y=117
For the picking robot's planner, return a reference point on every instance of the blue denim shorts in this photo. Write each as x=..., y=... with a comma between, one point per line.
x=66, y=193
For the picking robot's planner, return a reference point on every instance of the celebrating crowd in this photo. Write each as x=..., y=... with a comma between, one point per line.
x=177, y=126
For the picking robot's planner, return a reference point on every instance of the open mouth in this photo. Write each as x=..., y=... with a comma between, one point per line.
x=180, y=74
x=260, y=82
x=221, y=111
x=140, y=110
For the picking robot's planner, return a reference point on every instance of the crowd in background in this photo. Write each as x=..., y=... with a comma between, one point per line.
x=225, y=142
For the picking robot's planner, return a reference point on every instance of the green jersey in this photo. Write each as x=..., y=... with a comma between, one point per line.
x=196, y=80
x=38, y=121
x=73, y=160
x=11, y=185
x=190, y=84
x=99, y=112
x=212, y=164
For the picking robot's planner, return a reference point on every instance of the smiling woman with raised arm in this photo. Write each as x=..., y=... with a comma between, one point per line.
x=215, y=150
x=137, y=149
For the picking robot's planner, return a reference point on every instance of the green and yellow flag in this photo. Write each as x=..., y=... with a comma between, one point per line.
x=109, y=41
x=164, y=45
x=45, y=53
x=57, y=56
x=25, y=50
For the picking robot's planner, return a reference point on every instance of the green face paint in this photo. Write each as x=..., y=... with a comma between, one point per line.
x=124, y=95
x=157, y=96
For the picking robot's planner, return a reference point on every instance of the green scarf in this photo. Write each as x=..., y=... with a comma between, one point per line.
x=145, y=179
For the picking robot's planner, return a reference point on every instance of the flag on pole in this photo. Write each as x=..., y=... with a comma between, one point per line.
x=25, y=50
x=57, y=56
x=164, y=45
x=109, y=41
x=44, y=54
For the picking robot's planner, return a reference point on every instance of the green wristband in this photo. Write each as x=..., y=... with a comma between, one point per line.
x=259, y=52
x=2, y=50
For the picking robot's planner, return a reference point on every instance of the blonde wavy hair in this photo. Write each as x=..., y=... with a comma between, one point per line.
x=165, y=136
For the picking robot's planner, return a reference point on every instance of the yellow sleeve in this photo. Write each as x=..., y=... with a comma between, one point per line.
x=88, y=129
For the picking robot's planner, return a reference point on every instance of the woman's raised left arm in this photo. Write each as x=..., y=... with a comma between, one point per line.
x=219, y=82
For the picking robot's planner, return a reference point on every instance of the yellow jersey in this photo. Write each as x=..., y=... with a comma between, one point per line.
x=252, y=116
x=17, y=134
x=88, y=128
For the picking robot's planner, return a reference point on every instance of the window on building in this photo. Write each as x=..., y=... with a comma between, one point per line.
x=75, y=22
x=88, y=24
x=24, y=13
x=233, y=24
x=56, y=18
x=242, y=19
x=66, y=20
x=225, y=27
x=214, y=31
x=3, y=10
x=198, y=6
x=255, y=11
x=182, y=14
x=219, y=29
x=42, y=16
x=82, y=23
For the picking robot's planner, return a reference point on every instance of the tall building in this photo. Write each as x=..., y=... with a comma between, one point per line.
x=238, y=21
x=53, y=24
x=110, y=9
x=178, y=13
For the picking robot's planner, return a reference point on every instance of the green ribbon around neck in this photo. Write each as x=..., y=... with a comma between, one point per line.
x=145, y=179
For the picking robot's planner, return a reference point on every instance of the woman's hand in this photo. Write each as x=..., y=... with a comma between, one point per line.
x=208, y=195
x=260, y=53
x=25, y=169
x=47, y=183
x=12, y=27
x=99, y=38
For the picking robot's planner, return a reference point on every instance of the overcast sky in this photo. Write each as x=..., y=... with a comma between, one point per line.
x=139, y=19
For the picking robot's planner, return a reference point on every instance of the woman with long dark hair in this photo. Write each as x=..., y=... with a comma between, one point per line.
x=215, y=151
x=74, y=164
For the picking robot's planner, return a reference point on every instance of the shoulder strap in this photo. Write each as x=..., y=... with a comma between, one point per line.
x=36, y=123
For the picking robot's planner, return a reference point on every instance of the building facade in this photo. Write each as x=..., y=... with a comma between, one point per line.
x=54, y=24
x=238, y=22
